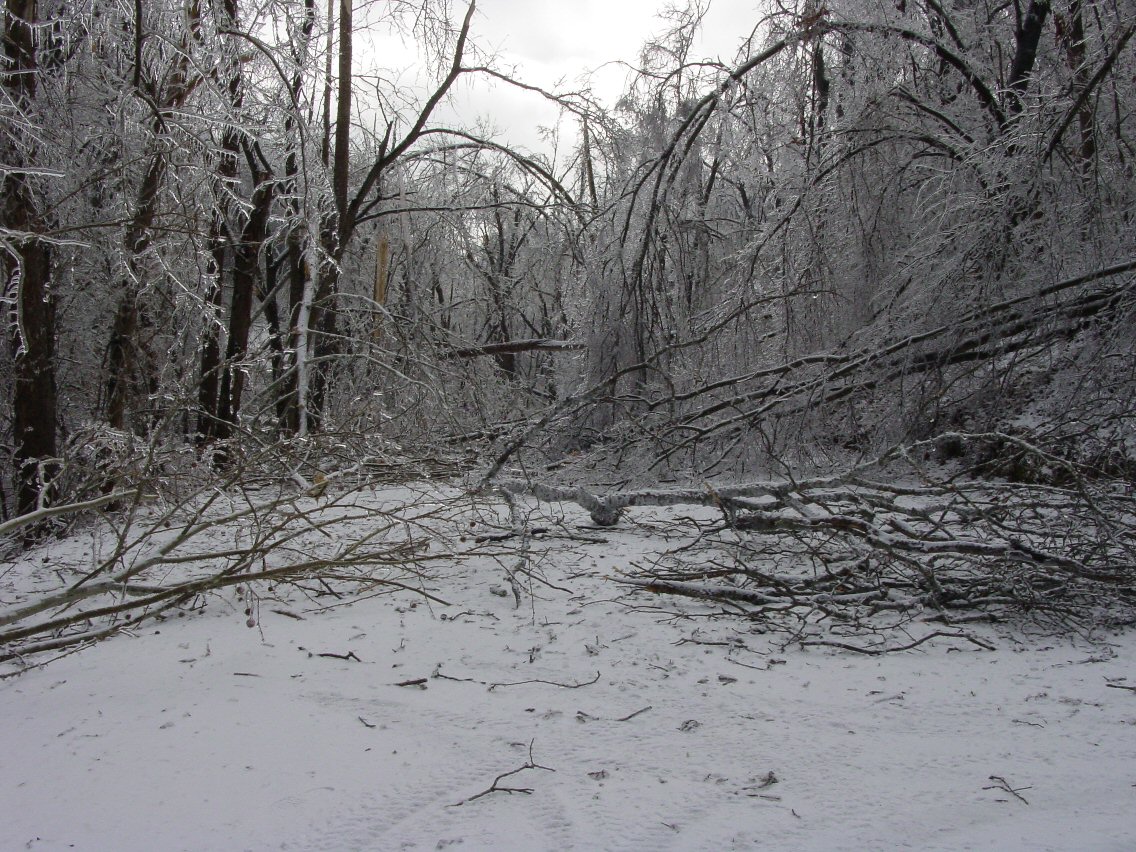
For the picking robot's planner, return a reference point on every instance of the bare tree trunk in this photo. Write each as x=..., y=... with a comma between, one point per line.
x=219, y=252
x=336, y=231
x=209, y=384
x=1071, y=35
x=314, y=308
x=1027, y=36
x=27, y=277
x=325, y=142
x=163, y=94
x=291, y=396
x=124, y=368
x=243, y=253
x=246, y=277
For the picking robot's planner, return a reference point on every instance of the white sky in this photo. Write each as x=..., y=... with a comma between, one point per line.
x=554, y=44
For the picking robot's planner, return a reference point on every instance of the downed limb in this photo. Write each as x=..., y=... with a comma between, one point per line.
x=495, y=786
x=46, y=512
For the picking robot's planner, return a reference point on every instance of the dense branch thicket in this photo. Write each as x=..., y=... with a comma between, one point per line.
x=882, y=226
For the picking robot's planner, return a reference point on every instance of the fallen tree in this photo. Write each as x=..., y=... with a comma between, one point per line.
x=856, y=553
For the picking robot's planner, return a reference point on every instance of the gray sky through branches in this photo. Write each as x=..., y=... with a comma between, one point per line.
x=564, y=45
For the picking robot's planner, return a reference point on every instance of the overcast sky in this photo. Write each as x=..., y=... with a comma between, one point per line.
x=548, y=42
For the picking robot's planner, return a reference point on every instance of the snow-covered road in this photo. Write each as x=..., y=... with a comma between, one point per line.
x=700, y=732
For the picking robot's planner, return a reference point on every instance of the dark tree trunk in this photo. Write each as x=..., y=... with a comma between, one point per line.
x=120, y=360
x=341, y=164
x=209, y=386
x=130, y=363
x=125, y=370
x=246, y=279
x=1027, y=37
x=243, y=253
x=219, y=252
x=336, y=234
x=325, y=343
x=27, y=278
x=821, y=89
x=34, y=395
x=277, y=334
x=1071, y=35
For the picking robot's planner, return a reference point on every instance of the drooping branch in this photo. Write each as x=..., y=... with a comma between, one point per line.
x=981, y=90
x=154, y=563
x=1029, y=321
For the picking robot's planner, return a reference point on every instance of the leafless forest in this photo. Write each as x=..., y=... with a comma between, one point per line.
x=867, y=291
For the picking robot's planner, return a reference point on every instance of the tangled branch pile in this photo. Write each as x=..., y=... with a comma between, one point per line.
x=853, y=555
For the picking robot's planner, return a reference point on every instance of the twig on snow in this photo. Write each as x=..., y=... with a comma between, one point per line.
x=581, y=716
x=631, y=716
x=877, y=651
x=437, y=673
x=420, y=682
x=1003, y=784
x=505, y=536
x=493, y=788
x=493, y=686
x=287, y=613
x=350, y=655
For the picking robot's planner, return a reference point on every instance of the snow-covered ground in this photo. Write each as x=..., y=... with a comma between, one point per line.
x=646, y=723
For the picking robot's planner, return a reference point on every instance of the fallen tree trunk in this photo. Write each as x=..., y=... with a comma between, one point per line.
x=851, y=548
x=510, y=347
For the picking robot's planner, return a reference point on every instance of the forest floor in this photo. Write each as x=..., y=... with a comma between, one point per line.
x=628, y=721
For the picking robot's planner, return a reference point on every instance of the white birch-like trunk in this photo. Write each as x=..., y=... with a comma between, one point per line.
x=303, y=323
